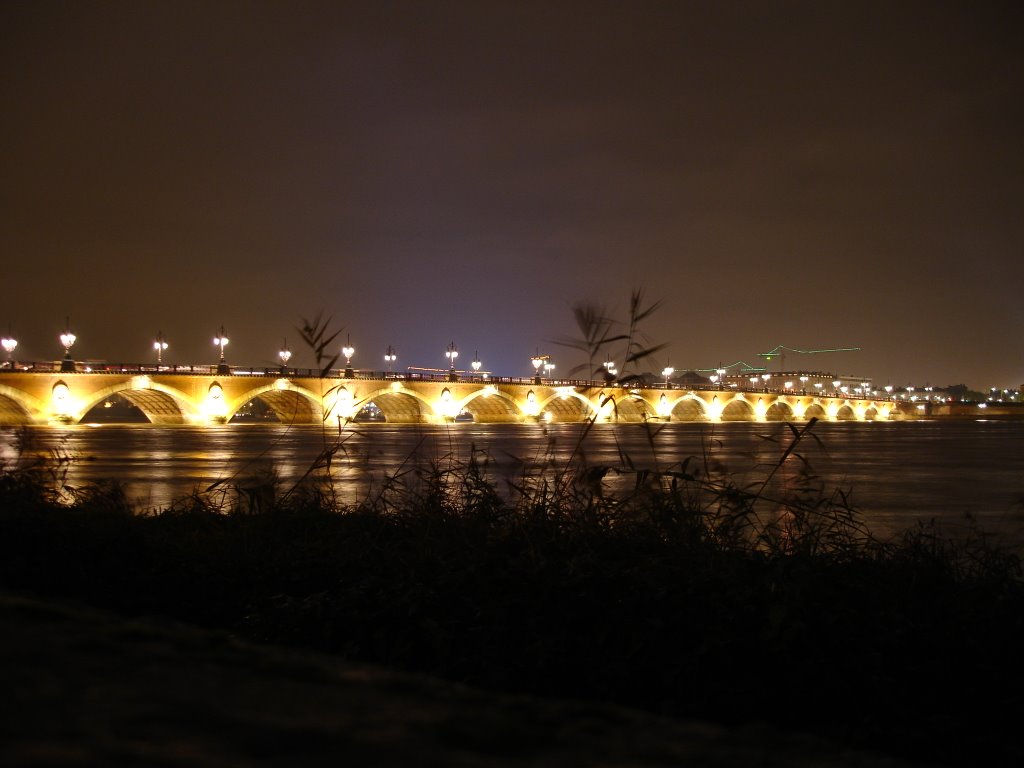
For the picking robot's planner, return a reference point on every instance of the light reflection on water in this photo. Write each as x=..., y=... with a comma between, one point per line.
x=897, y=472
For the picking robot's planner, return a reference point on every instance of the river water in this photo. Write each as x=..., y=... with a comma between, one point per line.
x=896, y=473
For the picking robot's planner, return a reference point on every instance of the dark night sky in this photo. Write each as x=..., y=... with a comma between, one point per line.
x=816, y=174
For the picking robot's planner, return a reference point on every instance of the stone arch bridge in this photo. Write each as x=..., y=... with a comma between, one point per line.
x=199, y=397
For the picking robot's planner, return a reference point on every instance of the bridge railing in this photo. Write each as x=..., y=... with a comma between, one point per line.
x=277, y=371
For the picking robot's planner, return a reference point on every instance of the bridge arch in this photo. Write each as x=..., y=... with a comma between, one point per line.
x=815, y=411
x=398, y=405
x=158, y=402
x=290, y=403
x=490, y=405
x=738, y=409
x=689, y=408
x=780, y=410
x=17, y=407
x=570, y=405
x=846, y=413
x=635, y=408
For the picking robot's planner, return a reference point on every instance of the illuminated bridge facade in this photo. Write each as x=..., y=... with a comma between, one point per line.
x=208, y=396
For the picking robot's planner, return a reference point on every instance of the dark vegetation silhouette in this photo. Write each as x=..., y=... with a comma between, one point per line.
x=686, y=591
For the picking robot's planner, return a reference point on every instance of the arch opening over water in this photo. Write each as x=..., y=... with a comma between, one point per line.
x=738, y=409
x=488, y=406
x=690, y=409
x=568, y=406
x=13, y=412
x=815, y=411
x=779, y=411
x=401, y=407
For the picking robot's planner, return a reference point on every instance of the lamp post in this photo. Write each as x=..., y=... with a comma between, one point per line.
x=285, y=355
x=476, y=362
x=221, y=341
x=537, y=361
x=764, y=378
x=348, y=350
x=835, y=387
x=803, y=385
x=159, y=344
x=548, y=368
x=451, y=352
x=10, y=344
x=720, y=372
x=753, y=382
x=390, y=357
x=611, y=371
x=67, y=340
x=667, y=372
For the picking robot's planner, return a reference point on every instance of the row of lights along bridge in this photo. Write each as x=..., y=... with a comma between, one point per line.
x=540, y=363
x=220, y=340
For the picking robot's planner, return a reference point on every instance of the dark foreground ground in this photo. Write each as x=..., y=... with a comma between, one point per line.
x=86, y=688
x=690, y=601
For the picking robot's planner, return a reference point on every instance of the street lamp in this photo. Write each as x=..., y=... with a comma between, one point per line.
x=721, y=376
x=476, y=362
x=667, y=372
x=348, y=350
x=537, y=361
x=221, y=340
x=803, y=385
x=548, y=368
x=611, y=370
x=285, y=354
x=451, y=352
x=835, y=386
x=10, y=344
x=390, y=356
x=67, y=340
x=764, y=378
x=753, y=382
x=159, y=344
x=818, y=386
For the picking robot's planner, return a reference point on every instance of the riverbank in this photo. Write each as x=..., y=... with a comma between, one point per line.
x=682, y=599
x=85, y=687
